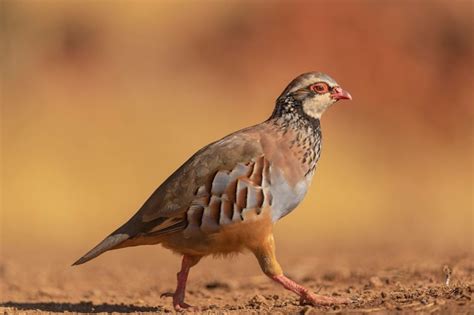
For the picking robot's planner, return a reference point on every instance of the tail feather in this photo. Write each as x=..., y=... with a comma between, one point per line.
x=107, y=244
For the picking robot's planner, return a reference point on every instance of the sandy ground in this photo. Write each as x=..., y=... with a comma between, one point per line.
x=131, y=281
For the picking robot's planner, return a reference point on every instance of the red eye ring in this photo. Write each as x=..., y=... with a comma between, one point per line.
x=319, y=88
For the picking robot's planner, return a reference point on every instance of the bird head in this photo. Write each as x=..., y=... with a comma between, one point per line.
x=314, y=92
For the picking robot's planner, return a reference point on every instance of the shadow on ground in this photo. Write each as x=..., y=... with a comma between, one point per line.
x=82, y=307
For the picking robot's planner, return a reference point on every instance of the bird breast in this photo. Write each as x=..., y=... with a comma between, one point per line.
x=286, y=197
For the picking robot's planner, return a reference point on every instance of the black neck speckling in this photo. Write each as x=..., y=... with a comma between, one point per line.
x=290, y=111
x=289, y=115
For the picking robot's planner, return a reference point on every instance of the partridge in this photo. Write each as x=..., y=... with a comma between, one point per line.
x=228, y=195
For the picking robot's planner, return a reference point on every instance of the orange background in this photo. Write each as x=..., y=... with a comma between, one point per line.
x=101, y=101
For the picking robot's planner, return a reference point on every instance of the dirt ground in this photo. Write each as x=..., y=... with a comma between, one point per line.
x=131, y=281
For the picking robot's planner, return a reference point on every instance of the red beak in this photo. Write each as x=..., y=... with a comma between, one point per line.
x=340, y=94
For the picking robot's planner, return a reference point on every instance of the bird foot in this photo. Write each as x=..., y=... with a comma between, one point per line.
x=316, y=299
x=181, y=307
x=178, y=302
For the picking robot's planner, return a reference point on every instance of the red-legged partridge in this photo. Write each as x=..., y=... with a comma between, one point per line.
x=228, y=195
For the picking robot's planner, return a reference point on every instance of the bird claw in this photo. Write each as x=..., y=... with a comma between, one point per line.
x=181, y=307
x=166, y=294
x=316, y=299
x=178, y=303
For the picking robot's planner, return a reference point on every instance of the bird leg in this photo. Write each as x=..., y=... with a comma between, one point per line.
x=307, y=296
x=182, y=275
x=265, y=254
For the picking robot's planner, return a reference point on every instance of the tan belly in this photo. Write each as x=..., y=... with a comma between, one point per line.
x=229, y=238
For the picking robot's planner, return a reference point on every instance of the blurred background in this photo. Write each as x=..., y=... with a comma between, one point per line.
x=101, y=101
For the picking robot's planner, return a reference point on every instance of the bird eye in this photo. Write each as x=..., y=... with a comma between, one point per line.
x=320, y=88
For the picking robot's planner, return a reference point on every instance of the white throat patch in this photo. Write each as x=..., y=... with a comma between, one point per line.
x=316, y=106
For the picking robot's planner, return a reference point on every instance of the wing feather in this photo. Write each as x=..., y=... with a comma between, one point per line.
x=188, y=192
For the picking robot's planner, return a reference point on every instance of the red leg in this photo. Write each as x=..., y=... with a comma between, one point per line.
x=182, y=275
x=306, y=295
x=265, y=254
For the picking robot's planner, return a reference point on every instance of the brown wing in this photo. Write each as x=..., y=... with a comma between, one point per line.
x=234, y=196
x=167, y=208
